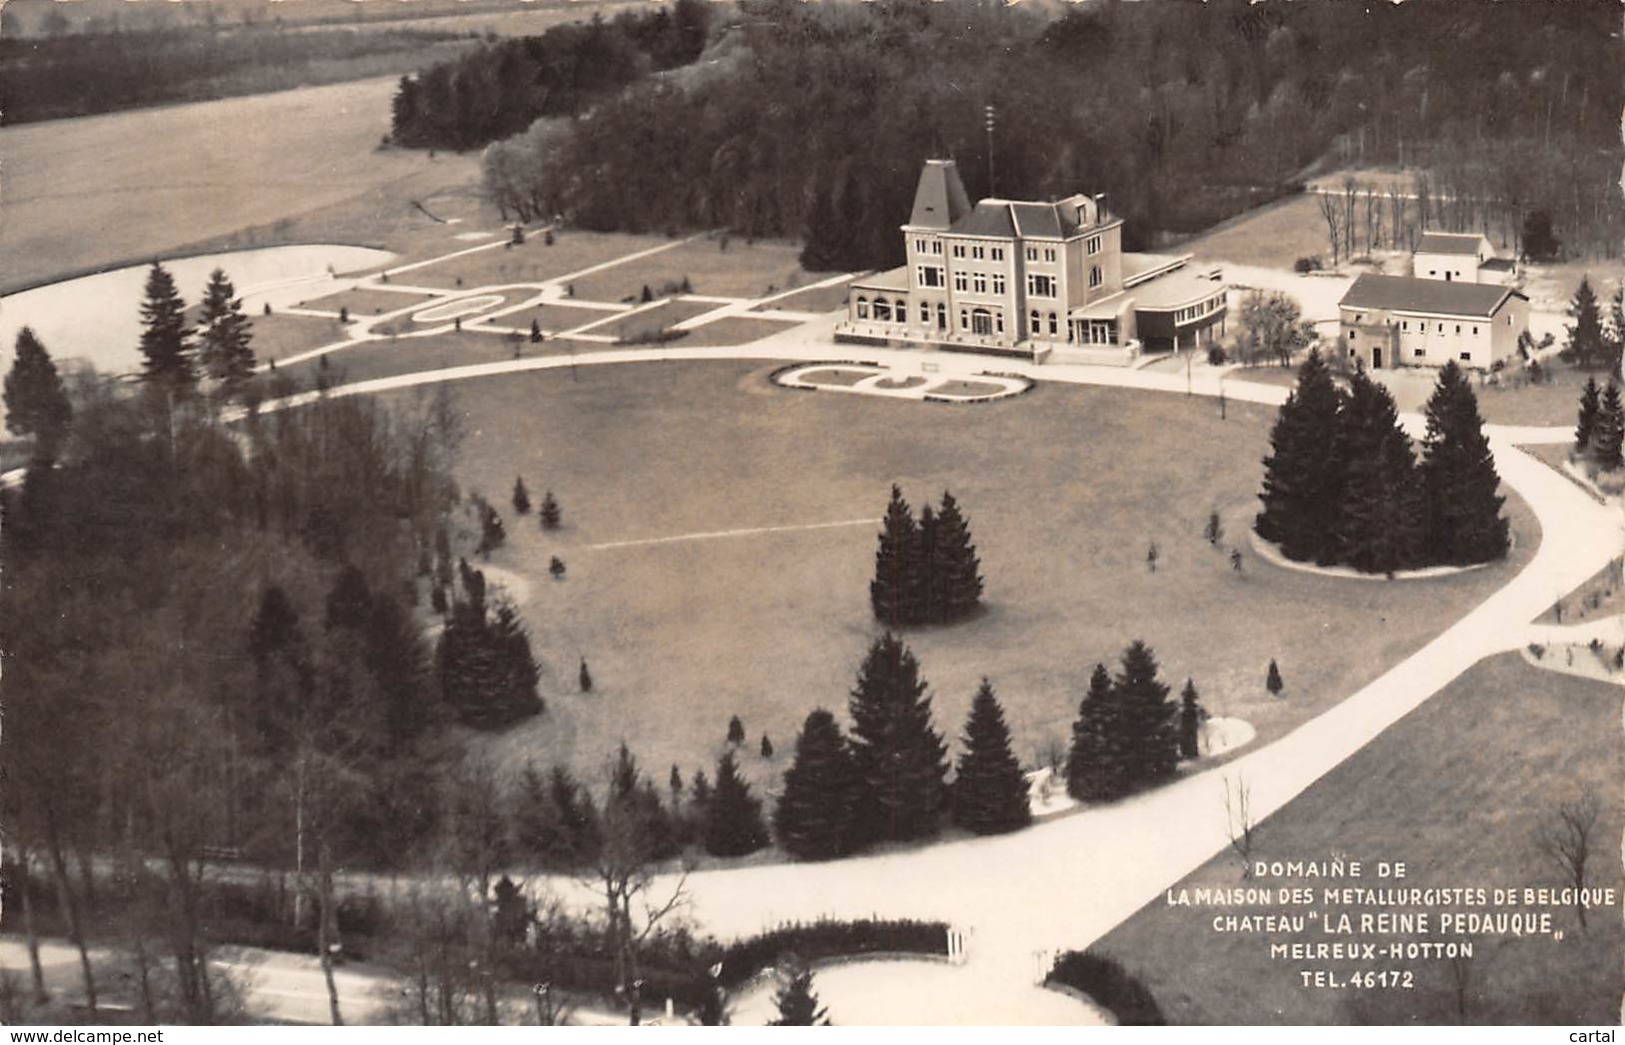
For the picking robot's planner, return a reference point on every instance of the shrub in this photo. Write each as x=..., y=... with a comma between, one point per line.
x=1537, y=651
x=1109, y=985
x=1216, y=355
x=1304, y=266
x=829, y=939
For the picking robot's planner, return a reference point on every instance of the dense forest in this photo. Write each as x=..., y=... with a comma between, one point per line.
x=85, y=73
x=1183, y=113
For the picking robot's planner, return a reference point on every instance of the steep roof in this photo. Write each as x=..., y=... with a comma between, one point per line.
x=940, y=199
x=1449, y=243
x=1405, y=294
x=990, y=218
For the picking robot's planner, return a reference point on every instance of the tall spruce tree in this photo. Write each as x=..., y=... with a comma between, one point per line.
x=1088, y=761
x=1586, y=423
x=1381, y=524
x=989, y=791
x=487, y=672
x=814, y=816
x=897, y=569
x=224, y=335
x=1464, y=521
x=36, y=403
x=1190, y=721
x=926, y=594
x=1609, y=439
x=165, y=339
x=733, y=817
x=798, y=1006
x=1586, y=340
x=954, y=567
x=1303, y=474
x=1143, y=735
x=900, y=760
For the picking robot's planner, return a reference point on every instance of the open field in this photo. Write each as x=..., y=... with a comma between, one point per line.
x=650, y=321
x=533, y=261
x=1273, y=236
x=280, y=335
x=817, y=299
x=681, y=634
x=734, y=330
x=363, y=302
x=386, y=358
x=84, y=194
x=552, y=318
x=745, y=270
x=1458, y=791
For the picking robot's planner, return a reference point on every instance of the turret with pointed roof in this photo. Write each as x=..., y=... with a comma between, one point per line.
x=940, y=200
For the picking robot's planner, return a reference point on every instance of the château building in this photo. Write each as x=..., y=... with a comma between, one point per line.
x=1032, y=280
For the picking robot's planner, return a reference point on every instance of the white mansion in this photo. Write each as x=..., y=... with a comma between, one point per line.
x=1033, y=280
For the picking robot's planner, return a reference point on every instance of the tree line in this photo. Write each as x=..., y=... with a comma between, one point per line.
x=1343, y=486
x=1182, y=113
x=502, y=87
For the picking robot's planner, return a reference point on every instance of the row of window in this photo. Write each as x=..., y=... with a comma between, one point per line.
x=1211, y=305
x=1049, y=254
x=932, y=246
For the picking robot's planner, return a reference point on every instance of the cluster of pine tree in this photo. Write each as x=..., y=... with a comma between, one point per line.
x=888, y=781
x=1342, y=485
x=926, y=572
x=1129, y=735
x=1600, y=431
x=221, y=351
x=487, y=673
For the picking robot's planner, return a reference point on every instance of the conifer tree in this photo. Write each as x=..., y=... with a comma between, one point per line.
x=701, y=788
x=1381, y=524
x=1088, y=761
x=736, y=731
x=1190, y=721
x=348, y=601
x=897, y=572
x=535, y=332
x=927, y=605
x=1303, y=475
x=1586, y=341
x=549, y=512
x=1464, y=521
x=584, y=677
x=797, y=1005
x=1143, y=735
x=1272, y=679
x=36, y=403
x=900, y=760
x=767, y=747
x=813, y=820
x=1586, y=424
x=165, y=339
x=521, y=496
x=989, y=791
x=953, y=563
x=733, y=817
x=1609, y=437
x=487, y=672
x=223, y=335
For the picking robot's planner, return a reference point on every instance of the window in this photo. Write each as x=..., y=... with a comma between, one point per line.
x=919, y=246
x=901, y=311
x=1466, y=357
x=998, y=283
x=959, y=250
x=883, y=310
x=1404, y=324
x=1359, y=317
x=998, y=322
x=1093, y=245
x=1037, y=325
x=942, y=316
x=1095, y=278
x=1458, y=328
x=930, y=276
x=1102, y=331
x=1032, y=253
x=1475, y=329
x=925, y=312
x=964, y=319
x=1432, y=272
x=1049, y=254
x=979, y=280
x=961, y=282
x=1419, y=353
x=1054, y=326
x=863, y=308
x=1353, y=335
x=1040, y=286
x=998, y=253
x=978, y=253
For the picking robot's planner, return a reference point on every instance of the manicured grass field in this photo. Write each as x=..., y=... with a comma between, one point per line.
x=363, y=302
x=1273, y=236
x=280, y=335
x=364, y=362
x=744, y=270
x=1458, y=791
x=1064, y=487
x=553, y=318
x=532, y=261
x=735, y=330
x=650, y=321
x=818, y=299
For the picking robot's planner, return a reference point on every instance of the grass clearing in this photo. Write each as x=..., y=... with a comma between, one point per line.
x=280, y=335
x=1457, y=790
x=1272, y=236
x=735, y=330
x=681, y=635
x=532, y=261
x=814, y=299
x=743, y=270
x=651, y=321
x=363, y=302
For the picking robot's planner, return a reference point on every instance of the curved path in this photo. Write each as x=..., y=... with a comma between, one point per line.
x=1063, y=884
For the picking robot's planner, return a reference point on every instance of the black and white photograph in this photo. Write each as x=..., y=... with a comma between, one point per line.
x=844, y=513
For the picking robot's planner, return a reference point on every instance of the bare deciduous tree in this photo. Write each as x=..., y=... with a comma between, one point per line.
x=1239, y=821
x=1568, y=839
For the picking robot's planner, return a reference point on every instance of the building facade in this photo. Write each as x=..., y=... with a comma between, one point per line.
x=1395, y=321
x=1026, y=279
x=1456, y=257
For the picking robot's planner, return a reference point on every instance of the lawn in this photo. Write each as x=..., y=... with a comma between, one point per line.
x=1458, y=791
x=735, y=330
x=280, y=335
x=138, y=202
x=650, y=321
x=532, y=261
x=363, y=302
x=742, y=270
x=1064, y=487
x=371, y=359
x=552, y=318
x=1273, y=236
x=815, y=299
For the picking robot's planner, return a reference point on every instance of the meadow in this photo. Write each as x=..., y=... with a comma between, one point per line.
x=1065, y=488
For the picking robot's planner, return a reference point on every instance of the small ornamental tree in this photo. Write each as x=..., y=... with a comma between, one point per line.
x=1586, y=423
x=1608, y=441
x=1088, y=762
x=813, y=820
x=555, y=567
x=767, y=747
x=165, y=340
x=900, y=760
x=584, y=677
x=36, y=403
x=736, y=731
x=521, y=496
x=1190, y=721
x=1213, y=532
x=549, y=512
x=1272, y=679
x=989, y=792
x=535, y=332
x=733, y=817
x=797, y=1005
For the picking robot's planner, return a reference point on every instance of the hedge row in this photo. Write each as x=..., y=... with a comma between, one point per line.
x=1108, y=985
